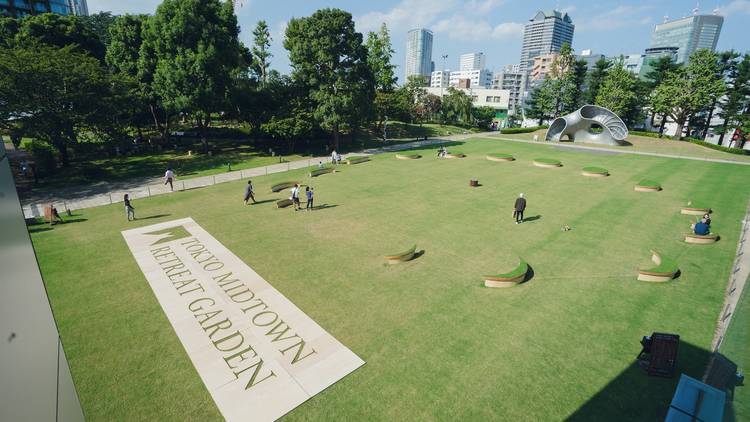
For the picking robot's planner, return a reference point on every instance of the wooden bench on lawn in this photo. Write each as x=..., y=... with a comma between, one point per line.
x=509, y=279
x=658, y=356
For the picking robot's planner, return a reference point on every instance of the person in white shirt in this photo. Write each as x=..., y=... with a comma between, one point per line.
x=169, y=178
x=333, y=157
x=295, y=197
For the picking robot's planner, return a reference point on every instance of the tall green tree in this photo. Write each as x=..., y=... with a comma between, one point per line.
x=55, y=94
x=379, y=54
x=542, y=104
x=595, y=79
x=573, y=84
x=662, y=67
x=60, y=31
x=456, y=107
x=196, y=51
x=736, y=103
x=327, y=56
x=727, y=63
x=620, y=94
x=261, y=51
x=98, y=24
x=688, y=90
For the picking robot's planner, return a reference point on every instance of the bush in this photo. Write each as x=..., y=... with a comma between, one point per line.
x=738, y=151
x=44, y=156
x=511, y=130
x=648, y=134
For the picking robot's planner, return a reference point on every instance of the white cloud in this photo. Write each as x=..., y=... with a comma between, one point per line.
x=484, y=6
x=406, y=15
x=508, y=30
x=619, y=17
x=735, y=7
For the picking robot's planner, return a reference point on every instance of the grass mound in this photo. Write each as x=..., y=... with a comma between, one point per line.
x=408, y=156
x=649, y=184
x=595, y=170
x=520, y=270
x=407, y=252
x=357, y=159
x=547, y=162
x=665, y=265
x=281, y=186
x=500, y=157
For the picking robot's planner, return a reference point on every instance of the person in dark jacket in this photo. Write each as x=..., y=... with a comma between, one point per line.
x=249, y=192
x=518, y=208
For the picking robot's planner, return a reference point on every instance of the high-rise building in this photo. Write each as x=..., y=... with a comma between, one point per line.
x=590, y=58
x=652, y=55
x=418, y=53
x=20, y=8
x=545, y=33
x=471, y=61
x=542, y=66
x=77, y=7
x=688, y=34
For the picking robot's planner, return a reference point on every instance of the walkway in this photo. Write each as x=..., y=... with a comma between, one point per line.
x=81, y=197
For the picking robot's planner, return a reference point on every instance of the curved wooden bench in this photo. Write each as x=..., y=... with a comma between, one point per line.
x=408, y=156
x=664, y=270
x=357, y=160
x=701, y=239
x=508, y=279
x=403, y=256
x=455, y=155
x=647, y=186
x=595, y=172
x=284, y=203
x=500, y=157
x=695, y=211
x=547, y=163
x=316, y=173
x=281, y=186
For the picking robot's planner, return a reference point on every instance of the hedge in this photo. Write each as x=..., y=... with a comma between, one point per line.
x=738, y=151
x=511, y=130
x=648, y=134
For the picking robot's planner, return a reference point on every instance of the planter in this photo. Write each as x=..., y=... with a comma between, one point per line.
x=547, y=163
x=500, y=157
x=647, y=186
x=408, y=156
x=595, y=172
x=357, y=160
x=509, y=279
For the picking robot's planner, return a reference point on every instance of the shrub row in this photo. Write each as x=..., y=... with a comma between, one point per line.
x=738, y=151
x=511, y=130
x=648, y=134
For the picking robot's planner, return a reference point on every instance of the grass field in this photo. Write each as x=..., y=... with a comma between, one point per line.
x=438, y=344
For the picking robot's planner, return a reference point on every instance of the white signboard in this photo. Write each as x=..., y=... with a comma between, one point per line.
x=257, y=353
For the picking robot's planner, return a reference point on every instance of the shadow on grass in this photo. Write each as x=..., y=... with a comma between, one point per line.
x=417, y=255
x=265, y=201
x=635, y=396
x=40, y=229
x=154, y=216
x=74, y=220
x=532, y=218
x=325, y=206
x=529, y=275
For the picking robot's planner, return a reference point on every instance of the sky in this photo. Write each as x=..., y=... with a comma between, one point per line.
x=494, y=27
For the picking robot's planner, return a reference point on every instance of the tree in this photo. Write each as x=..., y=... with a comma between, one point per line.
x=456, y=107
x=54, y=94
x=60, y=31
x=99, y=24
x=573, y=87
x=659, y=71
x=542, y=104
x=327, y=56
x=727, y=62
x=688, y=90
x=290, y=128
x=483, y=116
x=736, y=103
x=196, y=50
x=619, y=93
x=596, y=78
x=379, y=54
x=261, y=54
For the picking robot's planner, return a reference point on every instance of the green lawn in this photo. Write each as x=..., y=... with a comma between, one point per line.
x=438, y=344
x=735, y=347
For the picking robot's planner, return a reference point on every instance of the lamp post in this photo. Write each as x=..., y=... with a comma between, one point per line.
x=442, y=74
x=385, y=129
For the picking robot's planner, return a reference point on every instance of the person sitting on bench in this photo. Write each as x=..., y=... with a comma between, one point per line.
x=701, y=228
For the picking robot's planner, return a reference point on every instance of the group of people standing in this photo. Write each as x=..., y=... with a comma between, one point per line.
x=309, y=195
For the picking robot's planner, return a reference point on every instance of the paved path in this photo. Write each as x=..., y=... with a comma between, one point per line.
x=81, y=197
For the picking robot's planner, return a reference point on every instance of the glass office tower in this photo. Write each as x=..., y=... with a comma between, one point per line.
x=20, y=8
x=688, y=34
x=418, y=54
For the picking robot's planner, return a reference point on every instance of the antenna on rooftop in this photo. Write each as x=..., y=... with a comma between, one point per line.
x=697, y=8
x=666, y=18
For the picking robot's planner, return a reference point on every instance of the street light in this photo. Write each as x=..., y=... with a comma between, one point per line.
x=442, y=74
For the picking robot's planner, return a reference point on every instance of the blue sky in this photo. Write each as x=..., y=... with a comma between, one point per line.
x=492, y=26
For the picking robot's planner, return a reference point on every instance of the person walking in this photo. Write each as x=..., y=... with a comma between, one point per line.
x=169, y=178
x=249, y=192
x=309, y=193
x=129, y=210
x=295, y=197
x=518, y=208
x=333, y=157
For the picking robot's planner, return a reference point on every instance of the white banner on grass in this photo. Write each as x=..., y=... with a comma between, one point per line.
x=258, y=354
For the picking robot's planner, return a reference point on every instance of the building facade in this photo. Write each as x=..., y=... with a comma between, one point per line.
x=545, y=33
x=590, y=58
x=542, y=65
x=511, y=79
x=652, y=55
x=688, y=34
x=21, y=8
x=440, y=79
x=478, y=78
x=472, y=61
x=418, y=54
x=78, y=7
x=481, y=97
